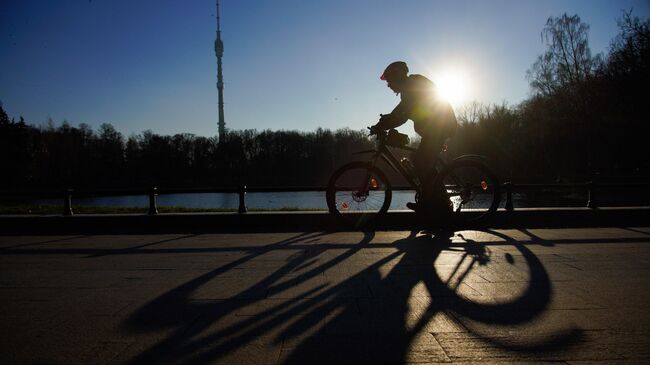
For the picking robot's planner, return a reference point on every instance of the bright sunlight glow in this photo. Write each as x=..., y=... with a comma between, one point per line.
x=452, y=86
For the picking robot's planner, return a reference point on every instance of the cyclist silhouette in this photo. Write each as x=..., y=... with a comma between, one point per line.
x=433, y=119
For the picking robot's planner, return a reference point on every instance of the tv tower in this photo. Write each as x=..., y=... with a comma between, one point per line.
x=218, y=50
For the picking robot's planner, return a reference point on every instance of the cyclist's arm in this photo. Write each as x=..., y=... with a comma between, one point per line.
x=397, y=117
x=392, y=120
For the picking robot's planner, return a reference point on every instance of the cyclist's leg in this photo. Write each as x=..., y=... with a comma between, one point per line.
x=434, y=197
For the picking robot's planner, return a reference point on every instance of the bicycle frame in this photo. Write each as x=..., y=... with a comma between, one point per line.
x=457, y=176
x=382, y=152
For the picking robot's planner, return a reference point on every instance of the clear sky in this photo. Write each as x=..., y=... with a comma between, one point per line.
x=288, y=64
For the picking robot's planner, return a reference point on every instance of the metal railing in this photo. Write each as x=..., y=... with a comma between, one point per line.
x=591, y=188
x=508, y=187
x=153, y=193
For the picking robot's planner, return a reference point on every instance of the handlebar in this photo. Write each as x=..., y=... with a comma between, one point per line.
x=373, y=131
x=390, y=137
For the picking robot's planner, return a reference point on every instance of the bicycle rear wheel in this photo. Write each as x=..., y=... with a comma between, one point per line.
x=358, y=193
x=473, y=189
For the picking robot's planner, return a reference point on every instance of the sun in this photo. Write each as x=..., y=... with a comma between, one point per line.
x=452, y=86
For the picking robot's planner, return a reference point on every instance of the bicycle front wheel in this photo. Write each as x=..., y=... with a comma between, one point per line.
x=358, y=193
x=473, y=189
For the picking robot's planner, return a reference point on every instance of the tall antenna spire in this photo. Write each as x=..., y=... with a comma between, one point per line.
x=218, y=50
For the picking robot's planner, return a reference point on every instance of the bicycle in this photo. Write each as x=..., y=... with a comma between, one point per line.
x=359, y=192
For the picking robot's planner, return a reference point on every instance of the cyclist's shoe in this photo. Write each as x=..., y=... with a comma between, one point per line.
x=428, y=208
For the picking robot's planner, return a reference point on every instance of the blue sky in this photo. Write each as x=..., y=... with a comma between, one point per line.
x=288, y=64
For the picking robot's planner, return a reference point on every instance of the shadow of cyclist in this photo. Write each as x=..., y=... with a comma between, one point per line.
x=385, y=329
x=384, y=313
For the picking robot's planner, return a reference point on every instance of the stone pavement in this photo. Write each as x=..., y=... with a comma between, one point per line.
x=538, y=295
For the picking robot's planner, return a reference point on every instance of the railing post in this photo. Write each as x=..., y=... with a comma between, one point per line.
x=509, y=187
x=592, y=202
x=67, y=203
x=153, y=209
x=242, y=199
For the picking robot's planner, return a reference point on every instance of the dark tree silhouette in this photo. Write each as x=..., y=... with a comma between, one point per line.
x=586, y=119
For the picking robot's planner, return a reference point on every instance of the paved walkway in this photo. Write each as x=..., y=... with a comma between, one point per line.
x=566, y=295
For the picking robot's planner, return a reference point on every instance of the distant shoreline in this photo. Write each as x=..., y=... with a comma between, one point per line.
x=81, y=209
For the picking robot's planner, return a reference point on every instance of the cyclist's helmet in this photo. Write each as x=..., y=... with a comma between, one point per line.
x=394, y=71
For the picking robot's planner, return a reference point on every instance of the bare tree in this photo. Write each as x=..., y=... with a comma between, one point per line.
x=567, y=60
x=470, y=112
x=630, y=49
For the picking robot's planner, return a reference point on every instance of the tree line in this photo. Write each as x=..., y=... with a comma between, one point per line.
x=585, y=119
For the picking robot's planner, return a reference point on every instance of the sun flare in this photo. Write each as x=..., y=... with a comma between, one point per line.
x=452, y=86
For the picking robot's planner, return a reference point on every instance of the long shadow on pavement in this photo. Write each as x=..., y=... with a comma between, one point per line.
x=365, y=317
